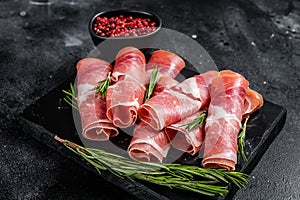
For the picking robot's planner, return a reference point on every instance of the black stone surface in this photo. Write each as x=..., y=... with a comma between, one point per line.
x=39, y=46
x=50, y=116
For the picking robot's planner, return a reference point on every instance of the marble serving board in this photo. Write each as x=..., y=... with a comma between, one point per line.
x=50, y=116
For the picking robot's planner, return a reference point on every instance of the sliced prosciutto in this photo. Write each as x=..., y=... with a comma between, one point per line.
x=223, y=123
x=253, y=102
x=164, y=82
x=180, y=101
x=129, y=61
x=183, y=139
x=92, y=108
x=169, y=63
x=127, y=93
x=148, y=144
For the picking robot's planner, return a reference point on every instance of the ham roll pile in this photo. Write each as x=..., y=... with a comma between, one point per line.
x=159, y=121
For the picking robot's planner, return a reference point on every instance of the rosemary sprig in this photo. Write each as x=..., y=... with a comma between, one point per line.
x=71, y=97
x=205, y=181
x=102, y=87
x=152, y=82
x=196, y=122
x=241, y=140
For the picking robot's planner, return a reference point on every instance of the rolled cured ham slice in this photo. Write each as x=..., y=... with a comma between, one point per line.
x=148, y=144
x=223, y=123
x=92, y=108
x=180, y=137
x=191, y=141
x=253, y=101
x=183, y=139
x=127, y=93
x=164, y=82
x=129, y=61
x=169, y=63
x=180, y=101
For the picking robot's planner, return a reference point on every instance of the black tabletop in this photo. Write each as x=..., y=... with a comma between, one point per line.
x=40, y=45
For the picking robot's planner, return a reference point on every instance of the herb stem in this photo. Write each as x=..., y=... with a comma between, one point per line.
x=196, y=122
x=241, y=140
x=70, y=97
x=152, y=83
x=205, y=181
x=102, y=86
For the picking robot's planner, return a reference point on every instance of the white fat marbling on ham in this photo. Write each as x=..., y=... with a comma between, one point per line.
x=217, y=113
x=84, y=90
x=190, y=87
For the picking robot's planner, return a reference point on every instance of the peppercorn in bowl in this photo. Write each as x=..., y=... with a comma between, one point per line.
x=123, y=24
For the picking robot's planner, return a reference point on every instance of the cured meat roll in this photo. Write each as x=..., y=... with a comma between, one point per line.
x=223, y=123
x=130, y=61
x=180, y=101
x=92, y=108
x=148, y=144
x=183, y=139
x=169, y=63
x=253, y=102
x=164, y=82
x=127, y=93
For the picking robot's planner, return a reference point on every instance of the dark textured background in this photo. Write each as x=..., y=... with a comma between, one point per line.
x=40, y=45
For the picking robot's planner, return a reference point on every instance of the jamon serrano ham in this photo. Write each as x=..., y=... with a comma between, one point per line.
x=180, y=101
x=127, y=93
x=180, y=137
x=147, y=143
x=164, y=82
x=183, y=139
x=223, y=123
x=92, y=108
x=169, y=63
x=253, y=101
x=129, y=61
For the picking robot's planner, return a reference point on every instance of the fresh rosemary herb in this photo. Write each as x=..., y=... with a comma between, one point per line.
x=71, y=97
x=207, y=181
x=196, y=122
x=102, y=87
x=241, y=140
x=152, y=82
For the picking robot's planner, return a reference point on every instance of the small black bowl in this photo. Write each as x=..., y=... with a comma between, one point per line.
x=97, y=39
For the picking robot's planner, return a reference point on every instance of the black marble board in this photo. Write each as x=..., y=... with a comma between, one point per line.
x=50, y=116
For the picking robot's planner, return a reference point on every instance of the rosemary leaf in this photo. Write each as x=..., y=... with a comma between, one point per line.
x=68, y=92
x=72, y=104
x=205, y=181
x=102, y=86
x=241, y=140
x=152, y=83
x=196, y=122
x=70, y=97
